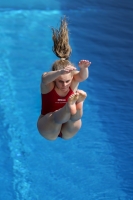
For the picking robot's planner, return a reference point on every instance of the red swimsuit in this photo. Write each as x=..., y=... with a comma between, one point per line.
x=52, y=101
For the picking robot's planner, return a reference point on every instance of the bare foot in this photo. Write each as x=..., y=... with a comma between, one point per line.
x=71, y=103
x=81, y=98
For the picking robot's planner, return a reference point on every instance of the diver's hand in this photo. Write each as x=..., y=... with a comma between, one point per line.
x=67, y=69
x=84, y=63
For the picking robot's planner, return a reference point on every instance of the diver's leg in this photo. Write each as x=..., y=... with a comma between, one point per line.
x=63, y=115
x=70, y=128
x=50, y=124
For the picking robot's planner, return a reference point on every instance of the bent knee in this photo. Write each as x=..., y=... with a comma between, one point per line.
x=67, y=136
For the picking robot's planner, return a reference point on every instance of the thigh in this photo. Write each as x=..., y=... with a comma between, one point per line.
x=47, y=127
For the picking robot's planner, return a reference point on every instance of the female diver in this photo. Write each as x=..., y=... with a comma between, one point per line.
x=62, y=102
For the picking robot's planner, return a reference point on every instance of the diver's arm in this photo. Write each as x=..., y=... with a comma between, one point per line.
x=53, y=75
x=83, y=74
x=49, y=77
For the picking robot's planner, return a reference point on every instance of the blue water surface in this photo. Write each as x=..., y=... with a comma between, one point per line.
x=97, y=163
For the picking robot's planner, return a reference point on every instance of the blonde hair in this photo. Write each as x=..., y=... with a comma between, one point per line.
x=61, y=47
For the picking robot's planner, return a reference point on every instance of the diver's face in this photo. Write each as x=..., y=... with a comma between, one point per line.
x=63, y=82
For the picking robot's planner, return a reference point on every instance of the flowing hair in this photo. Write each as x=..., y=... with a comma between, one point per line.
x=61, y=47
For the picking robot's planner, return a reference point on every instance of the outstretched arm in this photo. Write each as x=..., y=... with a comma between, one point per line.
x=83, y=73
